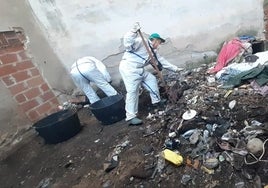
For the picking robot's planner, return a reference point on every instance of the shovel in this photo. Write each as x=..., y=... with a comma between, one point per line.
x=153, y=61
x=189, y=114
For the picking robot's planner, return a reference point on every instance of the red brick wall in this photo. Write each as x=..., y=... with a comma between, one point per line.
x=23, y=79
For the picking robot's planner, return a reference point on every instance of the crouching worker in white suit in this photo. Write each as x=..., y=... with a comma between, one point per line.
x=133, y=73
x=88, y=70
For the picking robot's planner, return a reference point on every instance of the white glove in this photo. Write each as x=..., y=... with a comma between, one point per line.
x=136, y=27
x=179, y=69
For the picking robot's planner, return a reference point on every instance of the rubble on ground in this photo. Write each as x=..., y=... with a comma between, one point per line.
x=205, y=135
x=227, y=134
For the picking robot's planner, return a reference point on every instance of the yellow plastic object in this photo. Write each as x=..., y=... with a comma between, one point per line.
x=205, y=169
x=172, y=157
x=228, y=93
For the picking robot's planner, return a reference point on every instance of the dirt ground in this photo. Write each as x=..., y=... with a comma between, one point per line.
x=79, y=161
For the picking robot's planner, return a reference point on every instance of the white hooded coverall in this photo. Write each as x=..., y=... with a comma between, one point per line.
x=91, y=70
x=133, y=73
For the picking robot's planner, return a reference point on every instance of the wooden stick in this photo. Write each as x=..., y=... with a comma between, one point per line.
x=153, y=60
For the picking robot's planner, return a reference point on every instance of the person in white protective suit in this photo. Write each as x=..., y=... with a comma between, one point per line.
x=134, y=75
x=88, y=70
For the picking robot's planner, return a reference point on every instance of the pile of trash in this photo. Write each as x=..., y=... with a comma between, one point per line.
x=207, y=129
x=210, y=126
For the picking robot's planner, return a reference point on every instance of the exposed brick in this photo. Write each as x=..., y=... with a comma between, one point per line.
x=21, y=76
x=3, y=40
x=8, y=80
x=44, y=108
x=10, y=34
x=21, y=36
x=34, y=71
x=54, y=103
x=14, y=42
x=44, y=87
x=47, y=96
x=24, y=65
x=37, y=81
x=8, y=58
x=31, y=93
x=8, y=49
x=33, y=115
x=23, y=56
x=7, y=69
x=20, y=98
x=28, y=105
x=18, y=88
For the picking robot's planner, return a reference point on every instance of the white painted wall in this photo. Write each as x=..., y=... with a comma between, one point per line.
x=60, y=31
x=78, y=28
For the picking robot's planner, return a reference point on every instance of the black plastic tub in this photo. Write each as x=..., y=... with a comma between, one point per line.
x=109, y=110
x=58, y=127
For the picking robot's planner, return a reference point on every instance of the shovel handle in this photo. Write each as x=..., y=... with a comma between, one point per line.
x=153, y=61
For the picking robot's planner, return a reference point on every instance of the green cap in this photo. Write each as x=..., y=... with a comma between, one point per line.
x=156, y=36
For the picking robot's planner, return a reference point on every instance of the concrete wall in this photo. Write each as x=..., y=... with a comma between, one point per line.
x=10, y=118
x=78, y=28
x=61, y=31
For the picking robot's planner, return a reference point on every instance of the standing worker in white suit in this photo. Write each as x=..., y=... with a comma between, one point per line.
x=87, y=70
x=132, y=70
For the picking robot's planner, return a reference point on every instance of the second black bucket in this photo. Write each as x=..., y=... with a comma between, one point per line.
x=109, y=109
x=58, y=127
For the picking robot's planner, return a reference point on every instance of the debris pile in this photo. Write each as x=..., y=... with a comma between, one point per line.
x=227, y=128
x=207, y=132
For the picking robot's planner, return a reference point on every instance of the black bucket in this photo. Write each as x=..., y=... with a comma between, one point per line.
x=109, y=109
x=58, y=127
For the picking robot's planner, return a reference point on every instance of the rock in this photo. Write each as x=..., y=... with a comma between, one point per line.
x=255, y=145
x=185, y=179
x=232, y=104
x=194, y=137
x=221, y=158
x=211, y=163
x=110, y=165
